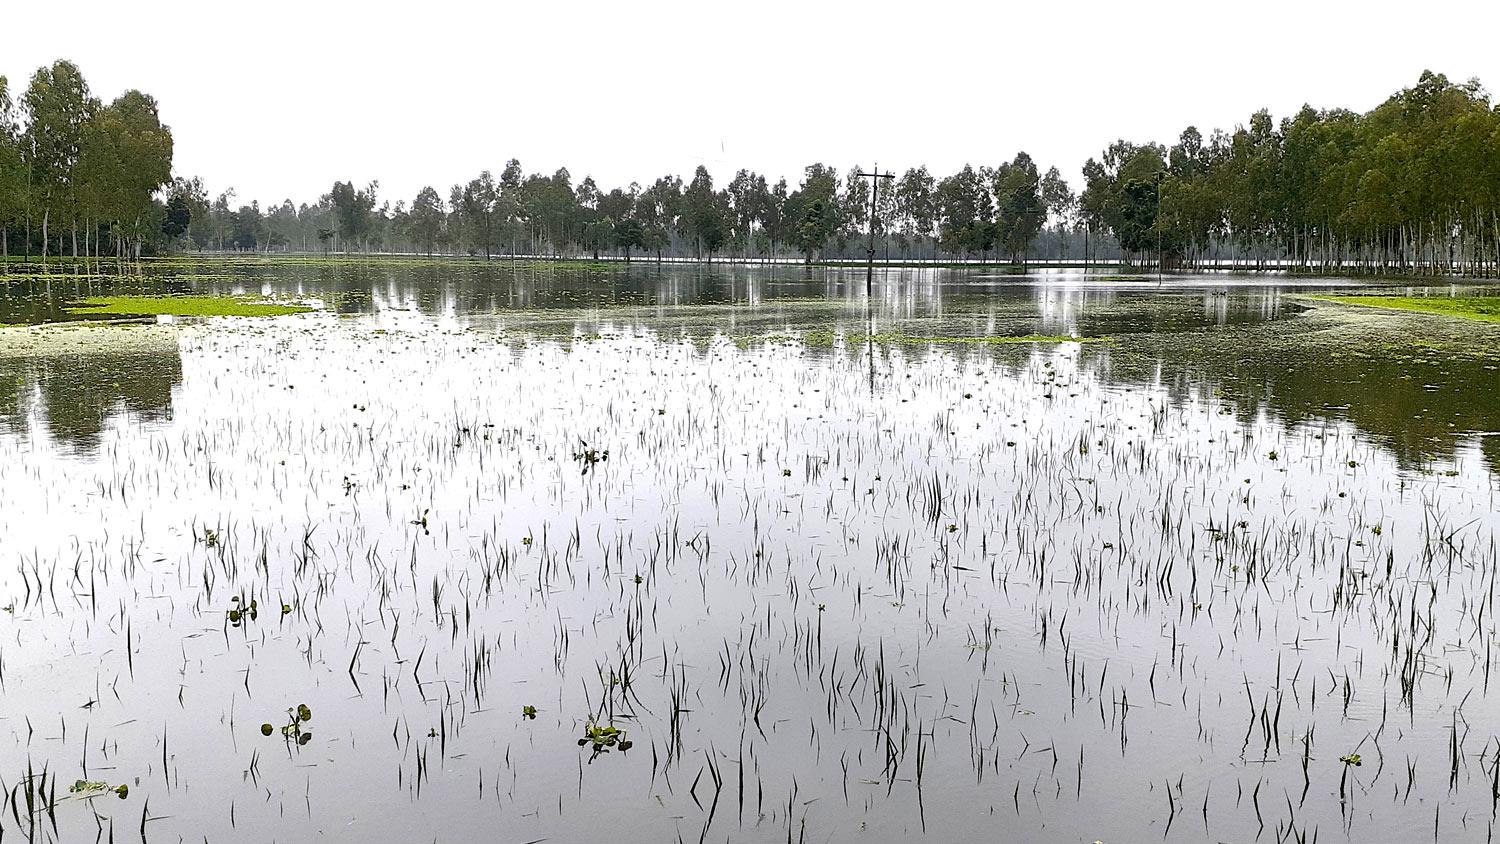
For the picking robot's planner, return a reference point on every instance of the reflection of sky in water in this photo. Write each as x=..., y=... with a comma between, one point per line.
x=70, y=398
x=1059, y=305
x=800, y=584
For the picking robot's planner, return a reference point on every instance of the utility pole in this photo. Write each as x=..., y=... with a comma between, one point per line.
x=870, y=247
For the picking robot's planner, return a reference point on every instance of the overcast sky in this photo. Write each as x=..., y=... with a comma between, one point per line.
x=278, y=99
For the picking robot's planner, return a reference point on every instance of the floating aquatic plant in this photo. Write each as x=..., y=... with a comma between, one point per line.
x=292, y=731
x=604, y=738
x=92, y=788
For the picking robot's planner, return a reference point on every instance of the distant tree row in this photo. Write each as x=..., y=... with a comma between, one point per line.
x=982, y=213
x=77, y=175
x=1414, y=182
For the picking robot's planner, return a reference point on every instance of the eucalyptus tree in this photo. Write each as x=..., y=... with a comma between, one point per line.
x=1121, y=193
x=854, y=207
x=1137, y=216
x=126, y=159
x=512, y=207
x=354, y=211
x=177, y=218
x=188, y=207
x=1059, y=204
x=618, y=204
x=813, y=213
x=706, y=214
x=749, y=204
x=317, y=222
x=247, y=228
x=618, y=227
x=587, y=193
x=478, y=211
x=1190, y=206
x=283, y=226
x=629, y=234
x=1253, y=173
x=221, y=217
x=773, y=220
x=458, y=222
x=916, y=209
x=58, y=109
x=965, y=213
x=552, y=207
x=1019, y=212
x=657, y=210
x=595, y=231
x=425, y=220
x=12, y=174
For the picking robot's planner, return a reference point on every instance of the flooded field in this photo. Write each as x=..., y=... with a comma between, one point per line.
x=481, y=553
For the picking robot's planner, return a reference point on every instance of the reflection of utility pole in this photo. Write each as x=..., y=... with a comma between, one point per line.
x=1161, y=257
x=874, y=178
x=1160, y=262
x=870, y=249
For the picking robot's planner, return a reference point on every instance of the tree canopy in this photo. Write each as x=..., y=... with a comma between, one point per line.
x=1415, y=180
x=71, y=165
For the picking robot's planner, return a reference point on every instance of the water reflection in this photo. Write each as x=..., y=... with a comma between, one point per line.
x=1187, y=332
x=70, y=400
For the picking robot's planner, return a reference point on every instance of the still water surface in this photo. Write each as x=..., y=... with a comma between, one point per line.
x=839, y=570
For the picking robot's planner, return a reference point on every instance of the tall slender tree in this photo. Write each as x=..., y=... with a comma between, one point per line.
x=58, y=109
x=12, y=173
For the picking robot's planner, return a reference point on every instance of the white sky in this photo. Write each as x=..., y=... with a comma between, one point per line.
x=279, y=98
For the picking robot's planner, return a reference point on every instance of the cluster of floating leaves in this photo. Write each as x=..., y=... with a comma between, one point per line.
x=292, y=730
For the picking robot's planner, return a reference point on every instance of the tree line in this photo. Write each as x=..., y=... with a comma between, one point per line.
x=1413, y=182
x=520, y=213
x=74, y=167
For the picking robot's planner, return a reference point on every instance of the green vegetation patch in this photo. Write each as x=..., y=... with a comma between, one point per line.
x=1484, y=308
x=186, y=306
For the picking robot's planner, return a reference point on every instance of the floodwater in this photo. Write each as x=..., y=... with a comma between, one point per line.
x=835, y=568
